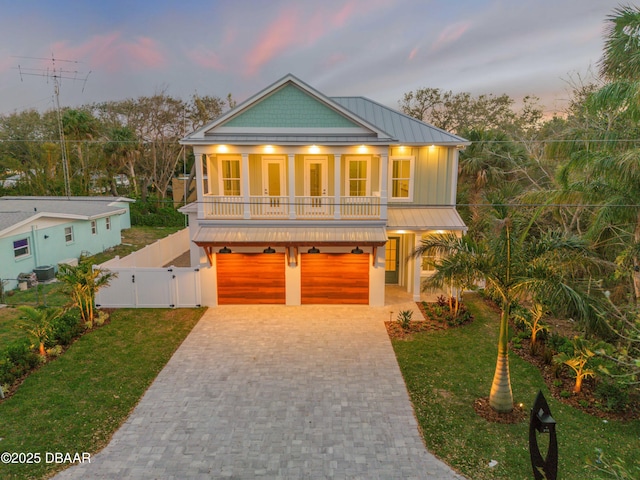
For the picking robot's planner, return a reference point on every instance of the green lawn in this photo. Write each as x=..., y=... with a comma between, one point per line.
x=76, y=402
x=446, y=371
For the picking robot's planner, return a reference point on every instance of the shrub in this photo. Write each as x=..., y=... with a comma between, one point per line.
x=613, y=396
x=65, y=329
x=153, y=214
x=16, y=360
x=404, y=318
x=560, y=344
x=54, y=351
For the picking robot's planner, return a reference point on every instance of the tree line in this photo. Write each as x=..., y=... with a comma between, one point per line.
x=553, y=209
x=115, y=147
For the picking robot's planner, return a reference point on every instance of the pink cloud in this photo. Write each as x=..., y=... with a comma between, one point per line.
x=206, y=59
x=413, y=53
x=113, y=53
x=335, y=59
x=278, y=37
x=450, y=34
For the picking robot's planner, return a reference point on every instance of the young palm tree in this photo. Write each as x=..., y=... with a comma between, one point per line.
x=82, y=283
x=515, y=265
x=39, y=323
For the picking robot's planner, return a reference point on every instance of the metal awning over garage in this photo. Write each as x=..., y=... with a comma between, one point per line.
x=224, y=236
x=425, y=218
x=209, y=237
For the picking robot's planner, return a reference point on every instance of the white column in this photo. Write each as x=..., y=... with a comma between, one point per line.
x=199, y=180
x=292, y=185
x=417, y=267
x=454, y=175
x=245, y=186
x=384, y=171
x=337, y=169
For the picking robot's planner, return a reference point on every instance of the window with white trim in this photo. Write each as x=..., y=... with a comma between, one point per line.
x=229, y=169
x=357, y=176
x=21, y=248
x=401, y=178
x=68, y=234
x=94, y=227
x=107, y=223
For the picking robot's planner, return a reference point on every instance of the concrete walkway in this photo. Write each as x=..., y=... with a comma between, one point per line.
x=309, y=392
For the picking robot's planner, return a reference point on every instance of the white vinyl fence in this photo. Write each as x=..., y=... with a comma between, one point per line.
x=142, y=282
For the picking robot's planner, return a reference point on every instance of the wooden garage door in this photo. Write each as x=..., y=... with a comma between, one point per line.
x=250, y=278
x=335, y=278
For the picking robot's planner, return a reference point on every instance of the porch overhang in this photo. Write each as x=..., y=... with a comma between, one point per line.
x=289, y=237
x=444, y=218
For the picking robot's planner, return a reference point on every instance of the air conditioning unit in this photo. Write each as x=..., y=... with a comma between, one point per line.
x=45, y=273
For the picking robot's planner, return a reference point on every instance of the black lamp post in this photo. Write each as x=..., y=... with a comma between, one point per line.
x=541, y=421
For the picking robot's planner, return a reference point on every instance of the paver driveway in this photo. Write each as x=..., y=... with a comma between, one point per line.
x=274, y=392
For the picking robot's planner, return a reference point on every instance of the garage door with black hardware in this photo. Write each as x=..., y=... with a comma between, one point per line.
x=251, y=278
x=334, y=278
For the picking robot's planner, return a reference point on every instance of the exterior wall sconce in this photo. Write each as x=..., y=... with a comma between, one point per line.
x=46, y=236
x=313, y=250
x=269, y=250
x=224, y=250
x=357, y=251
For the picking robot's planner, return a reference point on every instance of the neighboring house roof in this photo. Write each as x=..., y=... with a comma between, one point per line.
x=291, y=112
x=16, y=211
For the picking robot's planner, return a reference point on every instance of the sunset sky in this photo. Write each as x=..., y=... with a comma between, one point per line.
x=376, y=48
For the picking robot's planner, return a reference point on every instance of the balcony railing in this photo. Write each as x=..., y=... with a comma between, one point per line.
x=279, y=207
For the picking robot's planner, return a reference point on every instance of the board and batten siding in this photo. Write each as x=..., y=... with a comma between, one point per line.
x=433, y=173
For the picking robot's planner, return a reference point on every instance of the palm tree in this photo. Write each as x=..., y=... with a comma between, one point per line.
x=82, y=282
x=516, y=265
x=39, y=325
x=621, y=56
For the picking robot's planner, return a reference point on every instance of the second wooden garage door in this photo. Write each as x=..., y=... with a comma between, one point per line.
x=335, y=278
x=250, y=278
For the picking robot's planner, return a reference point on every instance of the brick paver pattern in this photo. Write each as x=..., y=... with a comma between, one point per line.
x=274, y=392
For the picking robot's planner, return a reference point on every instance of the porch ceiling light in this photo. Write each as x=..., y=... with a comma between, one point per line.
x=362, y=149
x=314, y=149
x=269, y=149
x=269, y=250
x=224, y=250
x=222, y=149
x=313, y=250
x=357, y=251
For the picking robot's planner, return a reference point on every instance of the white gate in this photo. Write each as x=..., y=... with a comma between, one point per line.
x=142, y=287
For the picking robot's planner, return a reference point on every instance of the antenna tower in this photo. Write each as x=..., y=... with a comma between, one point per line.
x=55, y=74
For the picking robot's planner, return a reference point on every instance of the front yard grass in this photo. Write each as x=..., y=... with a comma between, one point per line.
x=76, y=402
x=446, y=371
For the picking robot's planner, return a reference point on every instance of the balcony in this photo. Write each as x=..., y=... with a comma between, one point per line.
x=280, y=207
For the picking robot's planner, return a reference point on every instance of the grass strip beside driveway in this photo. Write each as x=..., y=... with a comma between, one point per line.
x=75, y=403
x=446, y=371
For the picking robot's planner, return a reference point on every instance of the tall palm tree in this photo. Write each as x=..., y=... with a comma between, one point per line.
x=621, y=56
x=516, y=265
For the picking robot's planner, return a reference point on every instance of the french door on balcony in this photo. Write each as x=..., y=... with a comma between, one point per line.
x=273, y=185
x=315, y=185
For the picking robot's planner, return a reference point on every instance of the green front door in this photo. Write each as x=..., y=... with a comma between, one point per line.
x=392, y=260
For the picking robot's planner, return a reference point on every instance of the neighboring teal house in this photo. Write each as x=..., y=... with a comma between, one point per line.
x=44, y=231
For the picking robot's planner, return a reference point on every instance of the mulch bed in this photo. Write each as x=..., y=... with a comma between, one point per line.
x=585, y=400
x=482, y=408
x=557, y=380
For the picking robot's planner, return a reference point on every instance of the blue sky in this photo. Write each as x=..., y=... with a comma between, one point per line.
x=375, y=48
